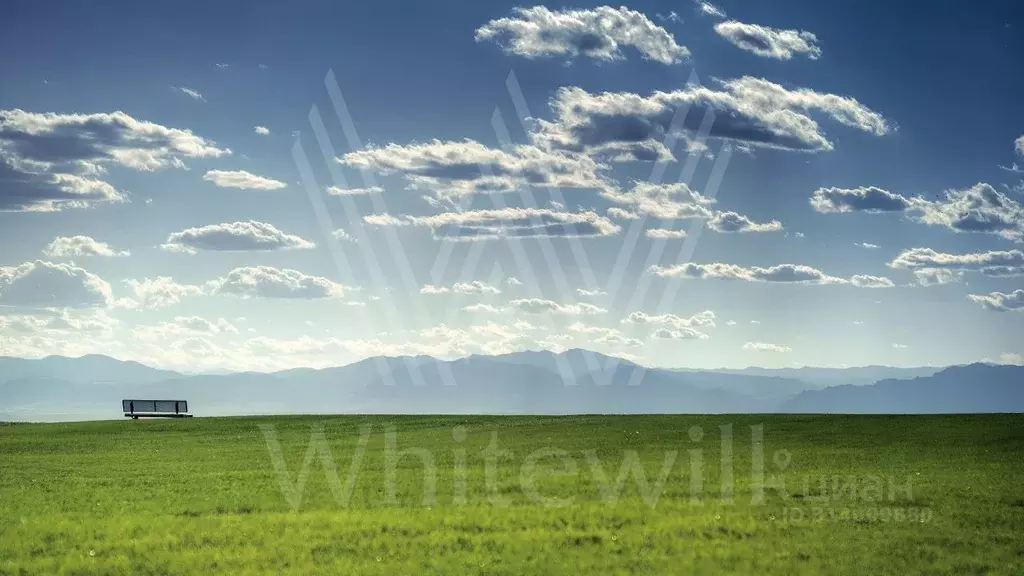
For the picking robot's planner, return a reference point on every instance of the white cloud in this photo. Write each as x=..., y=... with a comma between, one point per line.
x=481, y=308
x=52, y=161
x=242, y=179
x=607, y=336
x=747, y=110
x=766, y=347
x=866, y=245
x=663, y=201
x=474, y=287
x=452, y=169
x=980, y=208
x=182, y=326
x=589, y=293
x=900, y=346
x=932, y=267
x=709, y=9
x=337, y=191
x=513, y=281
x=234, y=236
x=769, y=42
x=504, y=223
x=597, y=33
x=864, y=199
x=94, y=322
x=678, y=334
x=1011, y=358
x=72, y=246
x=262, y=130
x=42, y=284
x=193, y=94
x=999, y=301
x=865, y=281
x=541, y=306
x=1018, y=145
x=269, y=282
x=705, y=319
x=158, y=292
x=795, y=273
x=664, y=234
x=730, y=222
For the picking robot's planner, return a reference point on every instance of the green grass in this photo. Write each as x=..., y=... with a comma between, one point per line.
x=202, y=496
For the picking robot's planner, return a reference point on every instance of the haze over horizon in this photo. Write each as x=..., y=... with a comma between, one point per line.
x=687, y=184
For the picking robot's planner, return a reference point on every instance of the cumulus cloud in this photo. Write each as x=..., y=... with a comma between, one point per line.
x=999, y=301
x=338, y=191
x=932, y=267
x=234, y=236
x=52, y=161
x=980, y=208
x=678, y=334
x=42, y=284
x=663, y=201
x=607, y=336
x=705, y=319
x=242, y=179
x=1019, y=146
x=748, y=111
x=865, y=281
x=451, y=169
x=504, y=223
x=541, y=306
x=183, y=326
x=73, y=246
x=794, y=273
x=513, y=281
x=664, y=234
x=597, y=33
x=769, y=42
x=481, y=308
x=864, y=199
x=765, y=347
x=589, y=293
x=474, y=287
x=262, y=130
x=269, y=282
x=159, y=292
x=730, y=222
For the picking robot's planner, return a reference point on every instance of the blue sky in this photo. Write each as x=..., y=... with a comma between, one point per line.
x=856, y=198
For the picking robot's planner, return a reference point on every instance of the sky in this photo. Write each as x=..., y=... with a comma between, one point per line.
x=261, y=186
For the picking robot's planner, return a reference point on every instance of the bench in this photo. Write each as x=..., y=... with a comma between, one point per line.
x=136, y=409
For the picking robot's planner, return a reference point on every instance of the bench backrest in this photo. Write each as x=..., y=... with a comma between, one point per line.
x=155, y=406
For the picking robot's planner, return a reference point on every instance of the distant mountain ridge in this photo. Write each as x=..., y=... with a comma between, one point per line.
x=574, y=381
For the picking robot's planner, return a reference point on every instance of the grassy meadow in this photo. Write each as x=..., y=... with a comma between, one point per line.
x=515, y=495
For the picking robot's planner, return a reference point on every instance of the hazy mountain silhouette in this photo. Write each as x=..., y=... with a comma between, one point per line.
x=963, y=389
x=575, y=381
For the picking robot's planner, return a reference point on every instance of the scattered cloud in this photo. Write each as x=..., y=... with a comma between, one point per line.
x=932, y=267
x=338, y=191
x=269, y=282
x=193, y=94
x=262, y=130
x=864, y=199
x=597, y=33
x=705, y=319
x=766, y=347
x=899, y=346
x=678, y=334
x=867, y=245
x=242, y=179
x=980, y=208
x=999, y=301
x=513, y=281
x=234, y=237
x=159, y=292
x=607, y=336
x=588, y=293
x=341, y=234
x=662, y=201
x=795, y=273
x=664, y=233
x=541, y=306
x=74, y=246
x=474, y=287
x=747, y=110
x=865, y=281
x=709, y=9
x=51, y=161
x=481, y=308
x=769, y=42
x=731, y=222
x=504, y=223
x=452, y=169
x=43, y=284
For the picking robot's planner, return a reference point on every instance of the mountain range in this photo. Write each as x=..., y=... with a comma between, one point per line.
x=530, y=382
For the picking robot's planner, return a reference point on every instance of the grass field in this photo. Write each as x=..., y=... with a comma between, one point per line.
x=516, y=495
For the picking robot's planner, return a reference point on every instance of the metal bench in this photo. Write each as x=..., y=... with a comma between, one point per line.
x=136, y=409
